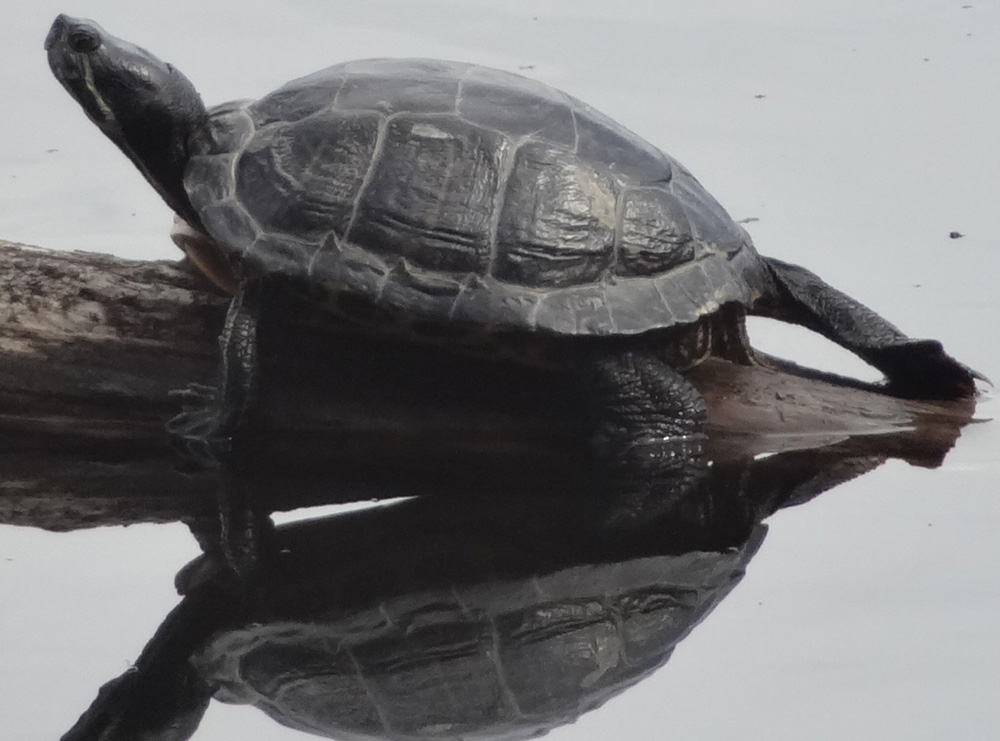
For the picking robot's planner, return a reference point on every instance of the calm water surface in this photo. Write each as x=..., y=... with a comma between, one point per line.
x=857, y=136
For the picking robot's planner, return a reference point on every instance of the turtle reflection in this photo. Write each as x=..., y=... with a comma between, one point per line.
x=437, y=617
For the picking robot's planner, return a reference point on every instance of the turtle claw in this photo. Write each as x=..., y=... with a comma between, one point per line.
x=199, y=434
x=194, y=395
x=921, y=369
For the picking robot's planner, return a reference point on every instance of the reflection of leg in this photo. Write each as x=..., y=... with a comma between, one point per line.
x=639, y=402
x=210, y=433
x=217, y=432
x=244, y=526
x=653, y=484
x=915, y=368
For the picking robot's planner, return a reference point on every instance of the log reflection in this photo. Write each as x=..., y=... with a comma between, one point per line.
x=490, y=614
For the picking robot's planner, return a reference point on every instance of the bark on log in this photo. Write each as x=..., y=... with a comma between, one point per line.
x=91, y=347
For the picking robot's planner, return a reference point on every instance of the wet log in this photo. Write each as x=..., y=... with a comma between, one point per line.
x=92, y=348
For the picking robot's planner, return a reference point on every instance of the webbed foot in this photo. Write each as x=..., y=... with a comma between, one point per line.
x=921, y=369
x=917, y=369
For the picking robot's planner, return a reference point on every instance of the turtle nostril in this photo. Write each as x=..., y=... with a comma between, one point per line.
x=83, y=41
x=55, y=32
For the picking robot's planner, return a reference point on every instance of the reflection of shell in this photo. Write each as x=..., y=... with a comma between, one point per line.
x=497, y=660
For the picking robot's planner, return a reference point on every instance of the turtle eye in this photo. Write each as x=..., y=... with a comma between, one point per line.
x=83, y=42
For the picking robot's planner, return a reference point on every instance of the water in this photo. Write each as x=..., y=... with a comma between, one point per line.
x=868, y=612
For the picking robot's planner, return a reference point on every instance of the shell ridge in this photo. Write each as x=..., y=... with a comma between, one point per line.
x=495, y=656
x=335, y=101
x=609, y=306
x=454, y=235
x=703, y=305
x=392, y=269
x=461, y=89
x=275, y=156
x=576, y=129
x=331, y=236
x=463, y=286
x=370, y=691
x=380, y=138
x=570, y=102
x=499, y=200
x=663, y=297
x=533, y=314
x=617, y=235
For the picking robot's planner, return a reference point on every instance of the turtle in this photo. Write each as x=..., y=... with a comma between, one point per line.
x=472, y=208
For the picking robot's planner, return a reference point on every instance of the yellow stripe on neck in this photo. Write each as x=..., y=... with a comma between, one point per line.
x=88, y=79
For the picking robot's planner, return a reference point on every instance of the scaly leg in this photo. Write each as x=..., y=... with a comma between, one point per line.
x=914, y=368
x=640, y=403
x=208, y=434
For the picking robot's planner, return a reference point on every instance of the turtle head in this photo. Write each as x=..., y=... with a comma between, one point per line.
x=144, y=105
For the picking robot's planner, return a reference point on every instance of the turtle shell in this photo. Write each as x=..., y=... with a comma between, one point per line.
x=493, y=660
x=460, y=194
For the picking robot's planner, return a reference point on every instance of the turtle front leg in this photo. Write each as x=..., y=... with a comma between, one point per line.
x=640, y=405
x=207, y=434
x=216, y=433
x=914, y=368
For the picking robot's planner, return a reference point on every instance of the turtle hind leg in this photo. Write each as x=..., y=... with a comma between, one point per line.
x=640, y=404
x=913, y=368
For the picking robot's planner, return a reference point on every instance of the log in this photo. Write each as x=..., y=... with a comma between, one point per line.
x=93, y=347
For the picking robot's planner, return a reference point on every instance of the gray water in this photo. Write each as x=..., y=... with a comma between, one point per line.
x=856, y=135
